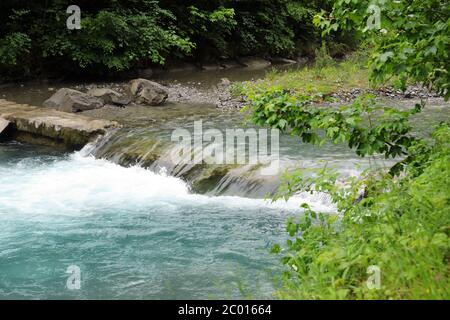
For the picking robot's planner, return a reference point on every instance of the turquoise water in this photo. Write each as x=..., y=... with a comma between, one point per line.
x=133, y=233
x=137, y=234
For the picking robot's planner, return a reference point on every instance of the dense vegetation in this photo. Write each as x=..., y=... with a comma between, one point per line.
x=394, y=222
x=401, y=228
x=120, y=35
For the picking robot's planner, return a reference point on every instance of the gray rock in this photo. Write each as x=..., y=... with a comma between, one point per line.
x=72, y=130
x=302, y=60
x=3, y=124
x=255, y=63
x=228, y=64
x=146, y=92
x=70, y=100
x=283, y=61
x=109, y=96
x=211, y=67
x=224, y=83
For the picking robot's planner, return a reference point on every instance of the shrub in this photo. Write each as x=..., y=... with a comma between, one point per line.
x=402, y=227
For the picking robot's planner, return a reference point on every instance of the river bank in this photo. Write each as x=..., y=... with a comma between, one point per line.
x=226, y=84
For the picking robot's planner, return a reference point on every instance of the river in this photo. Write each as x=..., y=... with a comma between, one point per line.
x=138, y=231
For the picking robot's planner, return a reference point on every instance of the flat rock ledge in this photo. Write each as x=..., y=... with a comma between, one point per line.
x=48, y=126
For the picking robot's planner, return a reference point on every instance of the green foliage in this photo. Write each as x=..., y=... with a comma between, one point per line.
x=115, y=40
x=365, y=126
x=14, y=48
x=115, y=36
x=323, y=58
x=412, y=43
x=212, y=26
x=267, y=30
x=121, y=35
x=402, y=226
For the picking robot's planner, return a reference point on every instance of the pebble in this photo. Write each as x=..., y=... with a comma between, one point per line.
x=410, y=93
x=220, y=96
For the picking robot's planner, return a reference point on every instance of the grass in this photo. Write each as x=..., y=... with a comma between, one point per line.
x=324, y=77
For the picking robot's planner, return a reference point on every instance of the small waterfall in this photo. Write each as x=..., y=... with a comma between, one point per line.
x=100, y=141
x=130, y=148
x=134, y=148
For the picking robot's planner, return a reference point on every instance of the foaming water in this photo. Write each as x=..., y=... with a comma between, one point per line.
x=133, y=233
x=80, y=182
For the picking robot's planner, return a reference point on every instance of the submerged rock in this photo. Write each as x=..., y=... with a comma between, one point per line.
x=229, y=64
x=283, y=61
x=146, y=92
x=109, y=96
x=211, y=66
x=69, y=100
x=255, y=62
x=43, y=126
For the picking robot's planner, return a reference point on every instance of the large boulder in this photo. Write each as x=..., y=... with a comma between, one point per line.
x=109, y=96
x=51, y=127
x=146, y=92
x=70, y=100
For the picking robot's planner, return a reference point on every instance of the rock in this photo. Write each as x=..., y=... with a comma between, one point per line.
x=71, y=130
x=146, y=92
x=3, y=124
x=70, y=100
x=224, y=83
x=302, y=60
x=229, y=64
x=255, y=63
x=283, y=61
x=210, y=67
x=109, y=96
